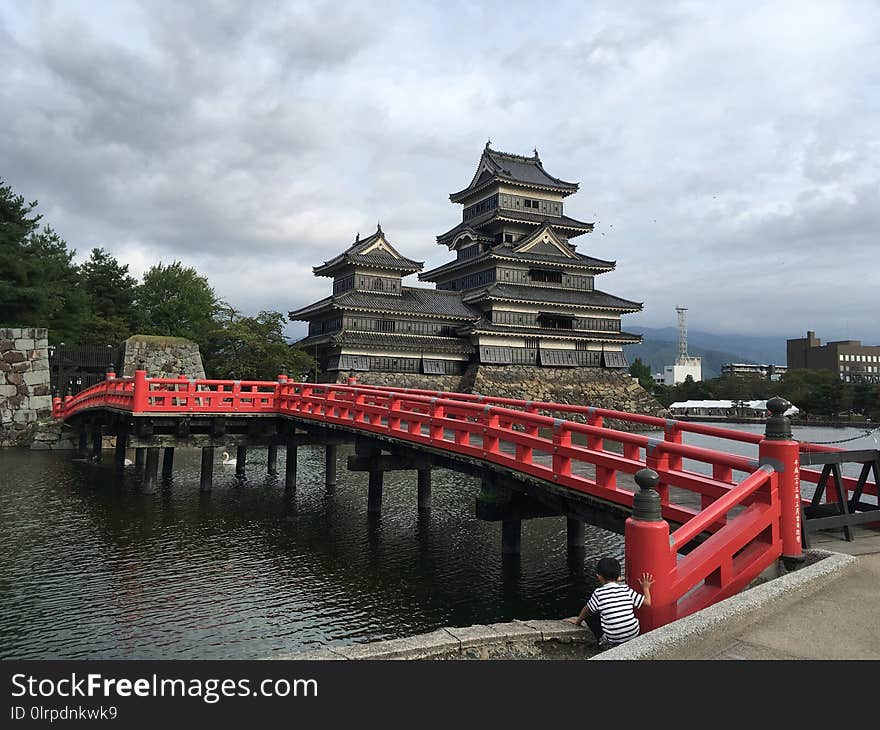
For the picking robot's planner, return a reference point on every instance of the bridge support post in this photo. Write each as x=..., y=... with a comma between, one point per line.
x=424, y=489
x=168, y=462
x=83, y=441
x=374, y=495
x=511, y=536
x=272, y=460
x=97, y=443
x=575, y=534
x=240, y=459
x=139, y=456
x=207, y=476
x=119, y=455
x=330, y=465
x=151, y=469
x=780, y=451
x=290, y=465
x=647, y=551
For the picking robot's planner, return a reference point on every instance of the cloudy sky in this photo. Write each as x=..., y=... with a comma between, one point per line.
x=728, y=153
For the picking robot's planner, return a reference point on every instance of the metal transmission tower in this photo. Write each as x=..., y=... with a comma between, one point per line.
x=682, y=336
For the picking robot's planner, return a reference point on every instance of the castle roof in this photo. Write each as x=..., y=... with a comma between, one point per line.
x=374, y=251
x=594, y=299
x=496, y=166
x=411, y=300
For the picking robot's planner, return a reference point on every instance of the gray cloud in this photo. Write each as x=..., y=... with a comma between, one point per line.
x=727, y=155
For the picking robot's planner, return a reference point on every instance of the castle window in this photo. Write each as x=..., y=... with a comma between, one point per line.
x=543, y=275
x=508, y=238
x=386, y=325
x=532, y=343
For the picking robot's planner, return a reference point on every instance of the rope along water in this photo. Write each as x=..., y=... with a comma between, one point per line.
x=843, y=441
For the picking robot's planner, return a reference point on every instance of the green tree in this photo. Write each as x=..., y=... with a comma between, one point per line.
x=111, y=292
x=175, y=301
x=39, y=283
x=643, y=372
x=253, y=348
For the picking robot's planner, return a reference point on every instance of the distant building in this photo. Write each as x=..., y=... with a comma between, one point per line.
x=771, y=372
x=850, y=359
x=685, y=365
x=678, y=373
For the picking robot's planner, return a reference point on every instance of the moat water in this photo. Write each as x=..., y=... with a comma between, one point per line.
x=90, y=568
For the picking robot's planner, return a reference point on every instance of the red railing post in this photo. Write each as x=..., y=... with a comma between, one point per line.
x=781, y=452
x=646, y=538
x=561, y=440
x=140, y=397
x=56, y=407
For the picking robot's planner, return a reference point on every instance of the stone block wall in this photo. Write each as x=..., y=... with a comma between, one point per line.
x=25, y=390
x=612, y=389
x=163, y=357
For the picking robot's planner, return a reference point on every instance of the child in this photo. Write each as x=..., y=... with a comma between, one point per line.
x=609, y=611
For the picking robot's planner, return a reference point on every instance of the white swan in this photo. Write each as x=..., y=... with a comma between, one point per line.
x=128, y=462
x=227, y=460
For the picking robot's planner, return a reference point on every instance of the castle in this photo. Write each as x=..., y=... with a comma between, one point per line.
x=517, y=292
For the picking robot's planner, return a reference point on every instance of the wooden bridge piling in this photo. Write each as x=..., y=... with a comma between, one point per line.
x=290, y=464
x=207, y=473
x=240, y=460
x=97, y=443
x=511, y=536
x=575, y=534
x=424, y=481
x=168, y=462
x=151, y=469
x=139, y=456
x=120, y=451
x=330, y=465
x=272, y=460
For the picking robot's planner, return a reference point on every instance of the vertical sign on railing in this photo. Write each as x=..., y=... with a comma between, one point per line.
x=781, y=452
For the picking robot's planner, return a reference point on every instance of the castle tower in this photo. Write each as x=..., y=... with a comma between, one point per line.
x=516, y=265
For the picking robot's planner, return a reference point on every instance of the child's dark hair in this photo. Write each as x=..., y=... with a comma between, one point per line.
x=608, y=568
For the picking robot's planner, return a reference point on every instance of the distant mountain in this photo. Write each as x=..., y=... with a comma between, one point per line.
x=657, y=353
x=747, y=348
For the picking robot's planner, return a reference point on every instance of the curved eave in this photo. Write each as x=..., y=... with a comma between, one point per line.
x=562, y=335
x=331, y=268
x=303, y=313
x=348, y=308
x=550, y=221
x=565, y=190
x=485, y=296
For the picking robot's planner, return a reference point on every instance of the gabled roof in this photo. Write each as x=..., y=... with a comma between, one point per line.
x=571, y=226
x=594, y=299
x=506, y=252
x=496, y=166
x=374, y=251
x=412, y=300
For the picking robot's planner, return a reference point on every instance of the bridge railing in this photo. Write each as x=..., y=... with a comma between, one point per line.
x=673, y=431
x=741, y=526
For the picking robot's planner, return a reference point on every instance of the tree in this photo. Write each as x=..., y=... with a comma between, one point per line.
x=176, y=301
x=643, y=372
x=39, y=283
x=111, y=293
x=253, y=348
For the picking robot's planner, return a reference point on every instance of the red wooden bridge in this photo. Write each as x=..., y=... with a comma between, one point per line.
x=705, y=522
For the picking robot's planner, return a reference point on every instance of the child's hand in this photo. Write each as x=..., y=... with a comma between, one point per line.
x=646, y=580
x=573, y=620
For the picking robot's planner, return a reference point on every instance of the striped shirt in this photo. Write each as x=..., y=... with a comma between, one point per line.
x=614, y=603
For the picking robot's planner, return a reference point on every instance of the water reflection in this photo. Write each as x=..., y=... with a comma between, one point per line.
x=91, y=567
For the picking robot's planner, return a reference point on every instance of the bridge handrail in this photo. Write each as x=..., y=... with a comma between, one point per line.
x=144, y=395
x=672, y=427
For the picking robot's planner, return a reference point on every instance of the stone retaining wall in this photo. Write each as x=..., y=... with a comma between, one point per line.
x=163, y=357
x=25, y=390
x=514, y=640
x=610, y=389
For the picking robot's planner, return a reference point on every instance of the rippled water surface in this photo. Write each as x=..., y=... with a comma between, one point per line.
x=93, y=568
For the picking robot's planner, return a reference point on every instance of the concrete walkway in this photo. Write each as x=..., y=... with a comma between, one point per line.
x=836, y=616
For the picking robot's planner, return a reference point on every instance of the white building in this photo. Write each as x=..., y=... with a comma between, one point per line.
x=675, y=374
